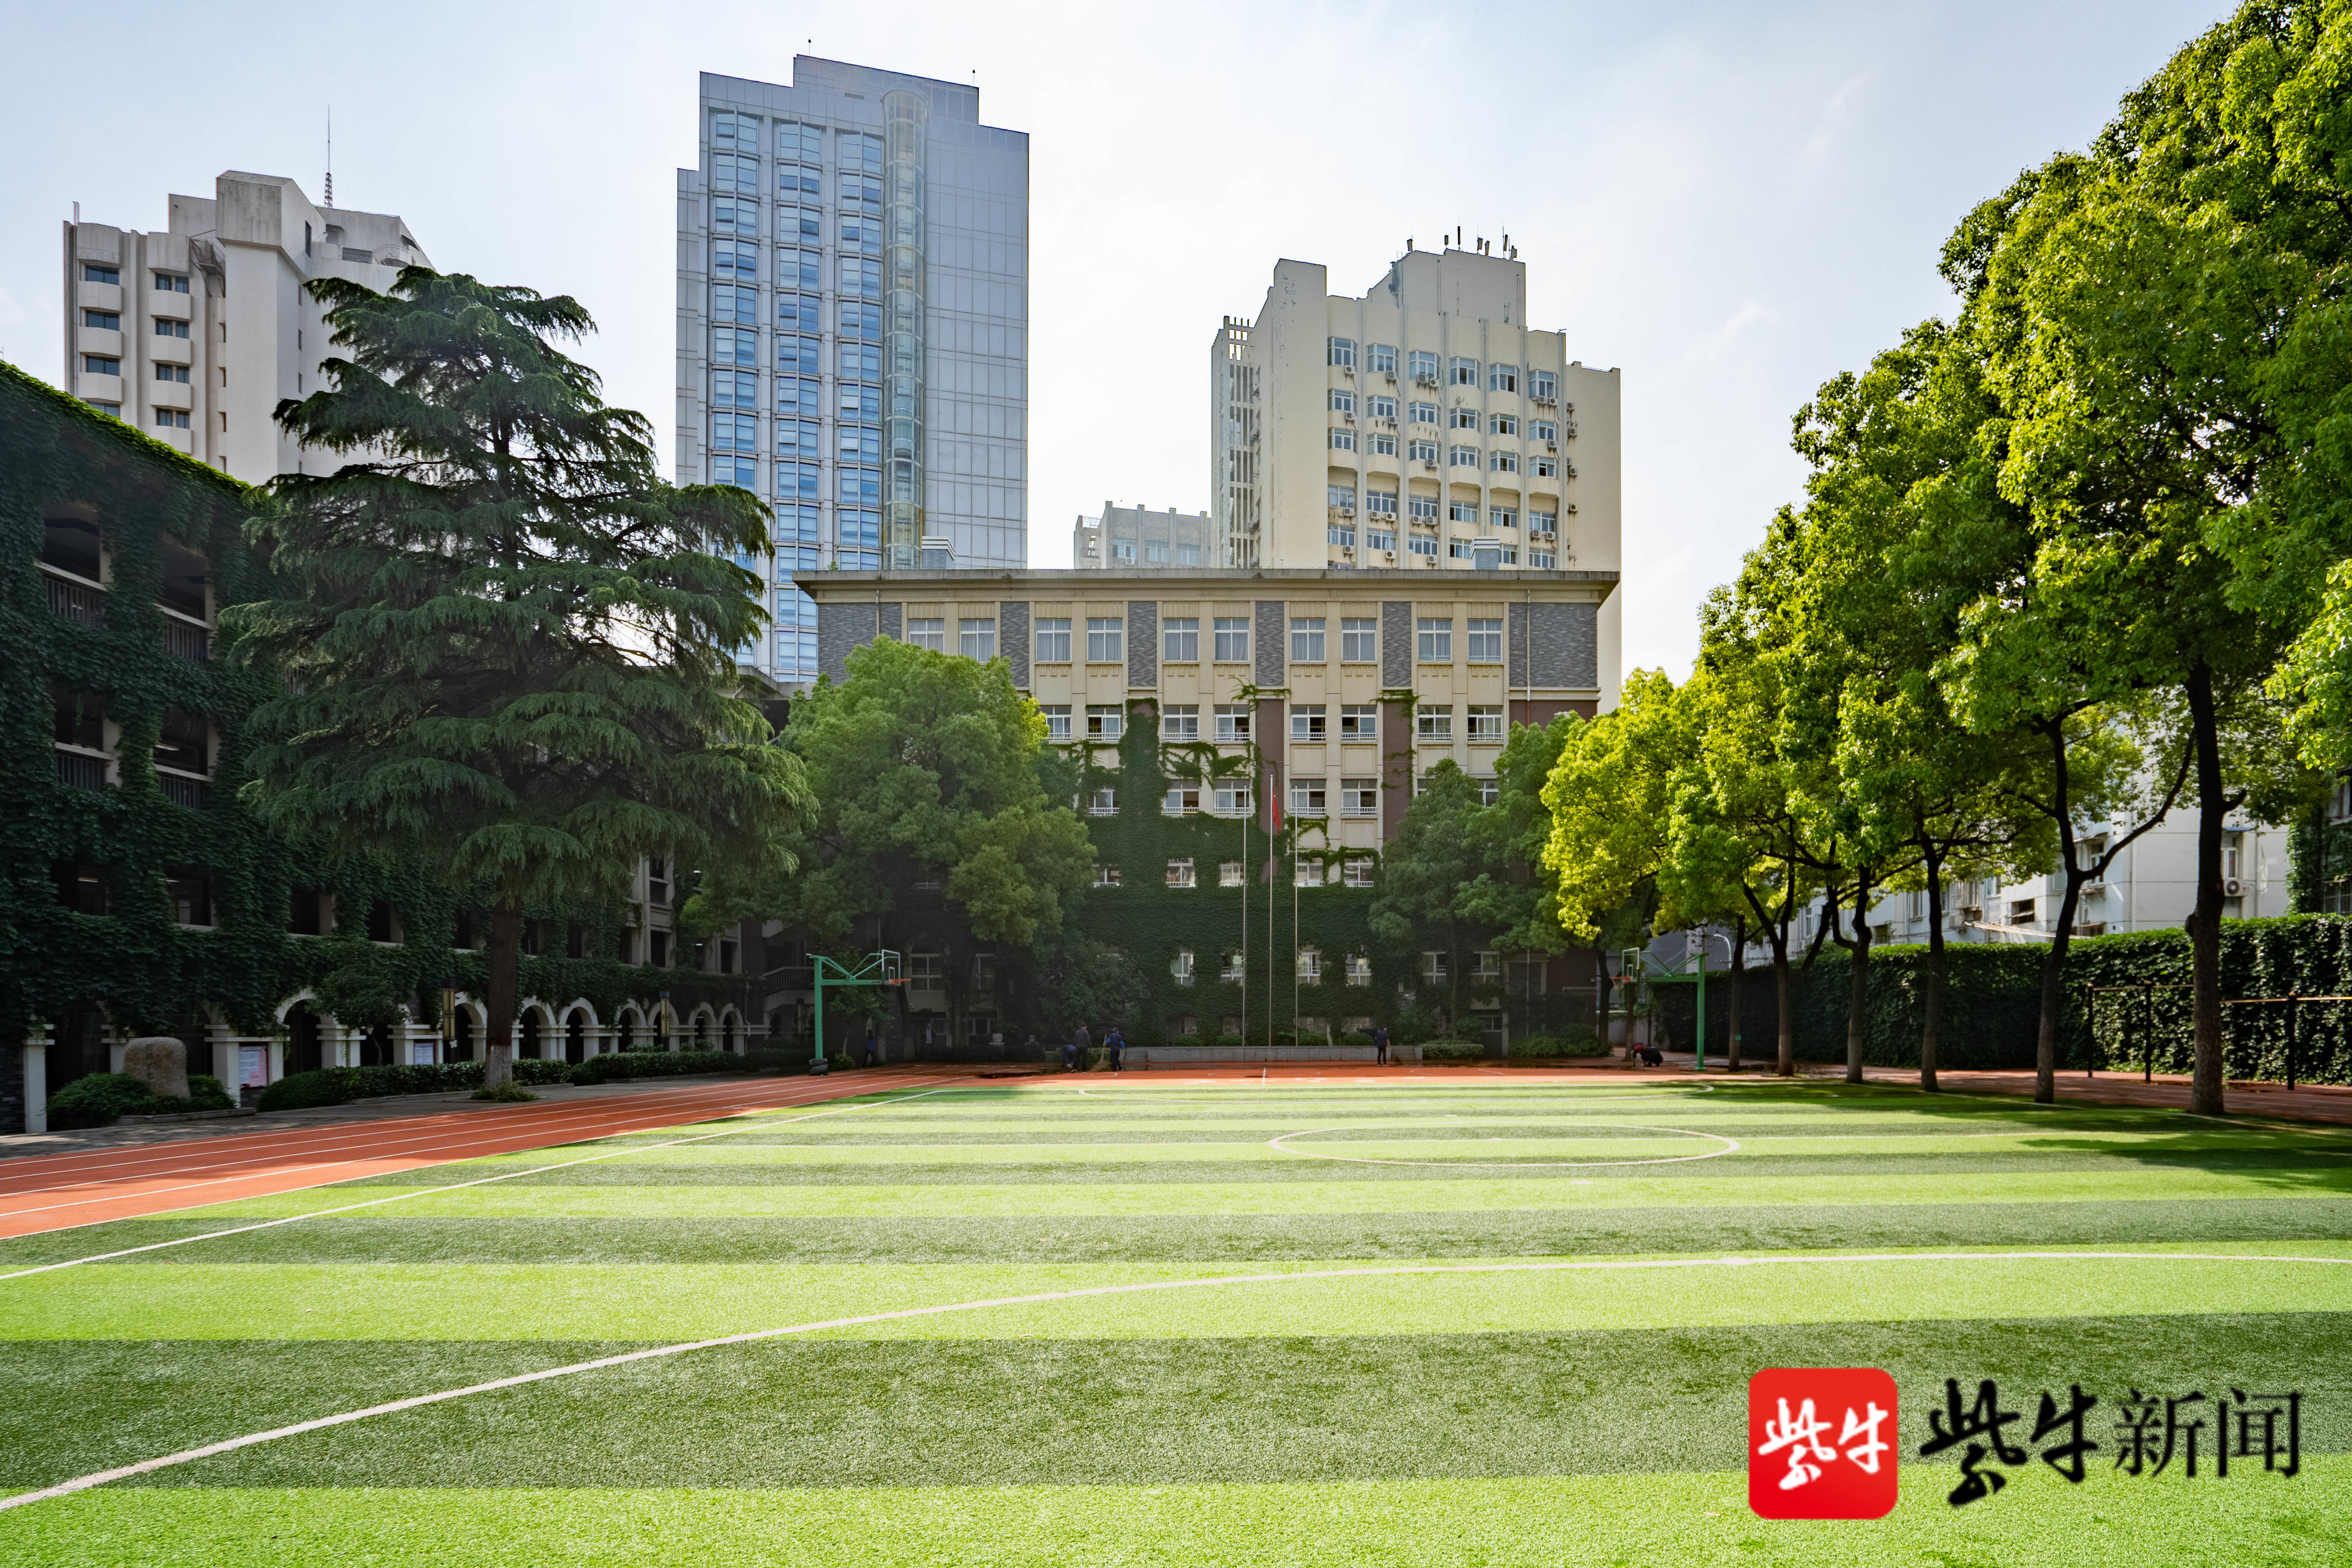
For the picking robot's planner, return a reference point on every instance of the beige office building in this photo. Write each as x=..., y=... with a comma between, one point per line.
x=1426, y=426
x=195, y=333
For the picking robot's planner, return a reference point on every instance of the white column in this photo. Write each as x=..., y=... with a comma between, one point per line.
x=37, y=1080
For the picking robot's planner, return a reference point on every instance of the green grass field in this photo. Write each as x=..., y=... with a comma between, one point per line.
x=1177, y=1323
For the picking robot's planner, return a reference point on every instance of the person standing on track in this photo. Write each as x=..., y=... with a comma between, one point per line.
x=1085, y=1043
x=1116, y=1044
x=1381, y=1045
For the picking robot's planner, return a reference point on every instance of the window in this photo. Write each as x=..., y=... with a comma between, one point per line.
x=1358, y=873
x=171, y=419
x=1342, y=400
x=1307, y=639
x=1106, y=876
x=91, y=272
x=734, y=261
x=735, y=307
x=734, y=389
x=2021, y=911
x=1423, y=544
x=169, y=328
x=1433, y=723
x=1343, y=353
x=859, y=362
x=1105, y=722
x=1486, y=726
x=1360, y=640
x=861, y=233
x=1462, y=372
x=860, y=279
x=1234, y=800
x=1187, y=556
x=734, y=433
x=102, y=321
x=1383, y=358
x=1229, y=873
x=1103, y=802
x=798, y=268
x=1502, y=516
x=1342, y=440
x=1053, y=641
x=1381, y=408
x=1435, y=641
x=1181, y=800
x=727, y=470
x=1180, y=640
x=1232, y=722
x=1421, y=451
x=1543, y=522
x=1421, y=366
x=1462, y=419
x=1542, y=430
x=1544, y=467
x=861, y=194
x=1486, y=641
x=1105, y=639
x=805, y=224
x=175, y=372
x=1544, y=559
x=1462, y=512
x=860, y=322
x=1306, y=873
x=733, y=218
x=1232, y=633
x=1502, y=423
x=1543, y=385
x=1122, y=550
x=1310, y=963
x=733, y=133
x=731, y=346
x=976, y=639
x=1384, y=443
x=1307, y=723
x=1180, y=872
x=1502, y=378
x=1421, y=414
x=1232, y=966
x=1307, y=797
x=1504, y=462
x=928, y=631
x=797, y=438
x=1155, y=551
x=1434, y=968
x=736, y=175
x=1180, y=968
x=1359, y=721
x=1179, y=723
x=1341, y=497
x=797, y=481
x=1359, y=797
x=859, y=151
x=1057, y=720
x=1382, y=503
x=1458, y=549
x=1461, y=456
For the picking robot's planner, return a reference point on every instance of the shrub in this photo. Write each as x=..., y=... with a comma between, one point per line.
x=625, y=1065
x=1567, y=1043
x=96, y=1100
x=1228, y=1042
x=1452, y=1050
x=510, y=1092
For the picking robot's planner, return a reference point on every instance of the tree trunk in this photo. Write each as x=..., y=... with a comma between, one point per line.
x=1738, y=971
x=1857, y=1016
x=1787, y=1064
x=2053, y=984
x=1600, y=989
x=2205, y=1087
x=506, y=971
x=1931, y=1010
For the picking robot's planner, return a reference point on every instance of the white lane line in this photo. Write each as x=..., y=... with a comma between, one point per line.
x=1731, y=1145
x=186, y=1456
x=451, y=1187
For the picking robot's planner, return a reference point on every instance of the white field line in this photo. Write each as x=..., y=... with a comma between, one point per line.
x=1730, y=1146
x=451, y=1187
x=186, y=1456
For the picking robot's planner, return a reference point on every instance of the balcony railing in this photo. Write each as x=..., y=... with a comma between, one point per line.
x=76, y=601
x=80, y=770
x=182, y=790
x=181, y=640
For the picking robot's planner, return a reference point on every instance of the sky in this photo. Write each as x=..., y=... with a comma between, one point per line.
x=1730, y=202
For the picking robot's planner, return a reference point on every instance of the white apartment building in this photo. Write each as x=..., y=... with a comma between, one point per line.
x=1125, y=537
x=194, y=334
x=853, y=324
x=1424, y=426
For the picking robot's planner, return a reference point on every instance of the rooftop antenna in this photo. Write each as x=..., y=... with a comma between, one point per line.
x=331, y=154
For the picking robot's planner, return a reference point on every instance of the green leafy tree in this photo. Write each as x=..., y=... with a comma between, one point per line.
x=1513, y=893
x=1428, y=876
x=504, y=637
x=932, y=811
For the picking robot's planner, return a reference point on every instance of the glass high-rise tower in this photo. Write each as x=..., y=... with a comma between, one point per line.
x=853, y=311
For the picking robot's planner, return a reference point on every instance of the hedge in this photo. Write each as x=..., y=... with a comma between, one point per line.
x=339, y=1086
x=1992, y=997
x=94, y=1101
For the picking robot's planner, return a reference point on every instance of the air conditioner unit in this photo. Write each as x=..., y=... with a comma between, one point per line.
x=2232, y=888
x=1551, y=445
x=1431, y=465
x=1391, y=376
x=1347, y=511
x=1349, y=418
x=1390, y=555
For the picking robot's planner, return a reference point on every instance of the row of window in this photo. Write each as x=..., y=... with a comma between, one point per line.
x=1230, y=721
x=165, y=282
x=797, y=141
x=797, y=354
x=1543, y=385
x=1423, y=510
x=1381, y=444
x=1230, y=639
x=1464, y=417
x=1155, y=552
x=737, y=218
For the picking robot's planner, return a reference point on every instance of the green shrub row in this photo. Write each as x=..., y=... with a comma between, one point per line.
x=339, y=1086
x=97, y=1098
x=2126, y=1004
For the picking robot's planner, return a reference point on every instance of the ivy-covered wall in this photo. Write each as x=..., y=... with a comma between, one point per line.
x=1992, y=1001
x=149, y=973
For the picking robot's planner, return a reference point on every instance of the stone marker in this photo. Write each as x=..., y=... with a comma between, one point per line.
x=161, y=1063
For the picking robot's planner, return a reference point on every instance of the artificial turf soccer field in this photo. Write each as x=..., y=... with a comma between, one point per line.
x=1473, y=1331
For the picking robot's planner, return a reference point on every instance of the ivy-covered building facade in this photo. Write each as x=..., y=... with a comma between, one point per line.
x=1249, y=743
x=142, y=898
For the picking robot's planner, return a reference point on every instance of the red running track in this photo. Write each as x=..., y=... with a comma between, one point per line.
x=58, y=1192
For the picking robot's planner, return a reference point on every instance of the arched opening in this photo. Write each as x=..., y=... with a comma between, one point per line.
x=192, y=1027
x=376, y=1049
x=702, y=1030
x=576, y=1036
x=77, y=1045
x=304, y=1048
x=625, y=1030
x=461, y=1049
x=532, y=1045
